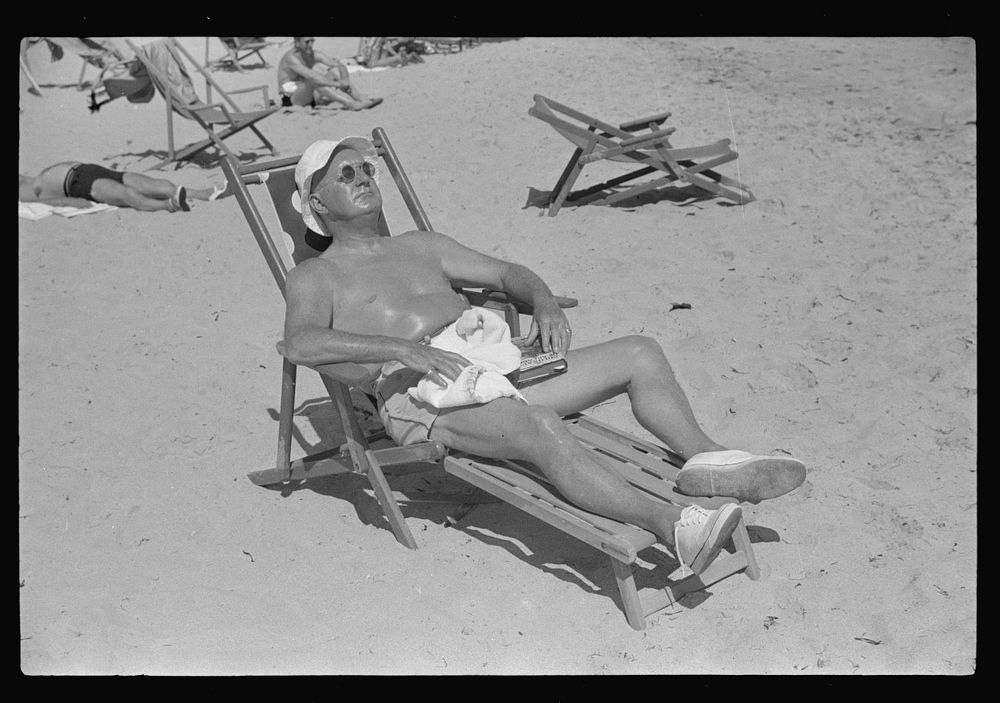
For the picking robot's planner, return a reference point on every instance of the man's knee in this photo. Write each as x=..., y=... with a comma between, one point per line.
x=544, y=425
x=643, y=350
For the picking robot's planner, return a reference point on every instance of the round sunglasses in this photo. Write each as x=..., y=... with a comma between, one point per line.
x=349, y=172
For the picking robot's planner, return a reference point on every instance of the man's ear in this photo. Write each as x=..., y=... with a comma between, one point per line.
x=316, y=204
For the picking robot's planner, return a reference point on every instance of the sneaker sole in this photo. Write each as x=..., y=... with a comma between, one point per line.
x=751, y=481
x=726, y=519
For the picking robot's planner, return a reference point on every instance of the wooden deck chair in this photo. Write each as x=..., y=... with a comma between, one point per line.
x=163, y=62
x=100, y=53
x=645, y=465
x=639, y=142
x=237, y=49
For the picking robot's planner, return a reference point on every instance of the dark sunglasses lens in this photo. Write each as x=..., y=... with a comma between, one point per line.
x=347, y=172
x=369, y=169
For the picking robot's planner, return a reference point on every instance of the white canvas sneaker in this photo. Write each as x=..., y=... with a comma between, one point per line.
x=700, y=534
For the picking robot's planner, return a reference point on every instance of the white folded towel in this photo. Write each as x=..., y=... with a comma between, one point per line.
x=36, y=211
x=483, y=337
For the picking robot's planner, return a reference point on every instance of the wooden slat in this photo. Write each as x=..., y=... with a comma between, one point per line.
x=724, y=565
x=328, y=463
x=643, y=122
x=412, y=454
x=525, y=490
x=644, y=465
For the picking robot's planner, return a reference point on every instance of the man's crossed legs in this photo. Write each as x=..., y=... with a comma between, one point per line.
x=507, y=428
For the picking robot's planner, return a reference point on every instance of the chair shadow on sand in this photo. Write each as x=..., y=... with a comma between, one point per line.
x=684, y=196
x=438, y=497
x=202, y=159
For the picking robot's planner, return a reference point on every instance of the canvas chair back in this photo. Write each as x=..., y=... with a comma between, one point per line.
x=169, y=76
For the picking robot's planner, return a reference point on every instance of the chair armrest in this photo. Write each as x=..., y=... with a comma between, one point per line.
x=346, y=372
x=478, y=297
x=643, y=122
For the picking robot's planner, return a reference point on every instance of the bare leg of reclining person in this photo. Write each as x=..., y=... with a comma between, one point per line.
x=637, y=366
x=507, y=428
x=146, y=194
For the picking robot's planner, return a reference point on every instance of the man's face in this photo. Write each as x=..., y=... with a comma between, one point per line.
x=347, y=189
x=305, y=44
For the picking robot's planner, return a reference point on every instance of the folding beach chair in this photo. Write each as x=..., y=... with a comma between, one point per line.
x=237, y=49
x=645, y=465
x=639, y=142
x=163, y=61
x=100, y=53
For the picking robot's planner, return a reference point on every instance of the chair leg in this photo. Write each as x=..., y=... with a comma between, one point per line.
x=365, y=462
x=568, y=178
x=285, y=419
x=630, y=596
x=388, y=502
x=274, y=152
x=741, y=540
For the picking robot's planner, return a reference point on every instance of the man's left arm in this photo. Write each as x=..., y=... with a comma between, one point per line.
x=467, y=267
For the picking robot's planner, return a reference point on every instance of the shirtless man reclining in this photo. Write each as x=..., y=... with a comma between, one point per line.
x=79, y=184
x=383, y=302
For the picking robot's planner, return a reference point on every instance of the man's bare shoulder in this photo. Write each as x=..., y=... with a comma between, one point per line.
x=311, y=276
x=417, y=237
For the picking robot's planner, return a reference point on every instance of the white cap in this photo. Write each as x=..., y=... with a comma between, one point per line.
x=315, y=157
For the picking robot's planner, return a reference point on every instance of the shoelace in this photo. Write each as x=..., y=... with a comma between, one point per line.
x=692, y=515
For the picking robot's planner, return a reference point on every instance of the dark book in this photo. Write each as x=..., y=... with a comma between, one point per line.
x=536, y=365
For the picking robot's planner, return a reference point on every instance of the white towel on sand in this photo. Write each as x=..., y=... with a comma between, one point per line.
x=482, y=337
x=36, y=211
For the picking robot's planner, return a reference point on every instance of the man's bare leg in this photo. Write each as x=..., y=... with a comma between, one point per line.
x=634, y=365
x=112, y=192
x=508, y=429
x=637, y=366
x=161, y=188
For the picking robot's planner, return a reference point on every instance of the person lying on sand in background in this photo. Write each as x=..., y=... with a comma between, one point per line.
x=74, y=183
x=388, y=303
x=301, y=83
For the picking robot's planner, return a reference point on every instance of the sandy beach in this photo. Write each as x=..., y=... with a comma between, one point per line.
x=834, y=319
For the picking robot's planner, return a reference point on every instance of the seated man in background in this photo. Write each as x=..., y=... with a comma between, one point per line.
x=387, y=302
x=300, y=83
x=74, y=183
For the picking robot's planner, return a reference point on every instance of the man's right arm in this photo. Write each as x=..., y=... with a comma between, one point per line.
x=310, y=340
x=319, y=77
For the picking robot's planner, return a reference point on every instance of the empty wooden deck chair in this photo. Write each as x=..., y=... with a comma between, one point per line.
x=650, y=467
x=163, y=61
x=237, y=50
x=640, y=142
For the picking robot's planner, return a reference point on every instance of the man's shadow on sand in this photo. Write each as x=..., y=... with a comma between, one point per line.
x=426, y=492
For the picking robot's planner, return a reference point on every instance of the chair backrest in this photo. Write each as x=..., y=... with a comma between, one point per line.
x=164, y=60
x=605, y=135
x=168, y=74
x=291, y=242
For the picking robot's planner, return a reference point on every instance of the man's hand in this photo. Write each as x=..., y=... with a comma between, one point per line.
x=427, y=359
x=549, y=324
